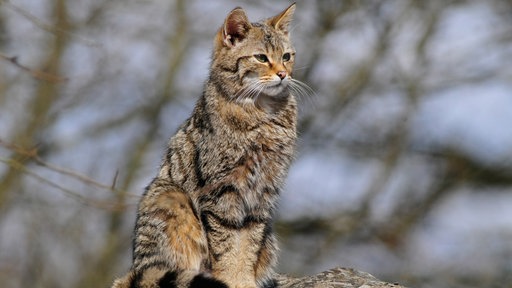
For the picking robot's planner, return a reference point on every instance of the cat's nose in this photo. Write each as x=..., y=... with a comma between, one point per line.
x=281, y=74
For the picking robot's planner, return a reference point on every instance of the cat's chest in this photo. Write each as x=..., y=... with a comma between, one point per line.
x=255, y=177
x=251, y=161
x=241, y=173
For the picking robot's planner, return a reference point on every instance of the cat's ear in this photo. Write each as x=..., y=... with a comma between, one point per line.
x=282, y=20
x=236, y=26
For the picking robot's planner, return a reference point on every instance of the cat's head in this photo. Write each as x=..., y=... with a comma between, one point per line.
x=256, y=58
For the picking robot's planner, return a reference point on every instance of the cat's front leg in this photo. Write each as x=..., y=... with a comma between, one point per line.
x=243, y=255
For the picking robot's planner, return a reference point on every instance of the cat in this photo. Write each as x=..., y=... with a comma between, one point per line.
x=206, y=218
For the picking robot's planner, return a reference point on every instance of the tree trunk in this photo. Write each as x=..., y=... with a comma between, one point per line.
x=336, y=277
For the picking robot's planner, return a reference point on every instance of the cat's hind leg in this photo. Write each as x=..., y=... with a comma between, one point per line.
x=170, y=245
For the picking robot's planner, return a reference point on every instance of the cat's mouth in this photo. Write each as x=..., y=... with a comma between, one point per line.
x=254, y=87
x=275, y=88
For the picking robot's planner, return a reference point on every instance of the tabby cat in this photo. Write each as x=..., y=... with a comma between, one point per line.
x=206, y=219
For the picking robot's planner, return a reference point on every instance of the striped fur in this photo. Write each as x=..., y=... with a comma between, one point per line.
x=206, y=219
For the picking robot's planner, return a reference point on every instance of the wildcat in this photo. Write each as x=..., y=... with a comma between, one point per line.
x=206, y=218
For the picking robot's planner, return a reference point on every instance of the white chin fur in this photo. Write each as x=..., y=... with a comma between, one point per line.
x=274, y=90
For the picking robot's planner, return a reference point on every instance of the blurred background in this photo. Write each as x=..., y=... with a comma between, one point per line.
x=404, y=165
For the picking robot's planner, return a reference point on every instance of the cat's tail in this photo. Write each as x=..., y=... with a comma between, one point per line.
x=168, y=279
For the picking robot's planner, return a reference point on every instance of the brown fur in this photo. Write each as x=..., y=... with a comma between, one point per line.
x=206, y=219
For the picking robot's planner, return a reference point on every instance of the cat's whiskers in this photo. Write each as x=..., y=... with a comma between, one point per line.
x=295, y=69
x=250, y=92
x=301, y=88
x=254, y=88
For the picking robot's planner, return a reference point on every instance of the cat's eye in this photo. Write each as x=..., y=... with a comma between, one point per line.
x=286, y=57
x=261, y=57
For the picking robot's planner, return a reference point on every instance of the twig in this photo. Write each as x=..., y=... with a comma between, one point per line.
x=40, y=75
x=32, y=154
x=114, y=181
x=106, y=205
x=73, y=174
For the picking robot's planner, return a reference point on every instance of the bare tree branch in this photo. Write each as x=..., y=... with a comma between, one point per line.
x=37, y=74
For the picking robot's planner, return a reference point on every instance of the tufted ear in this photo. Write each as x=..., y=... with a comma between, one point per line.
x=282, y=20
x=235, y=27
